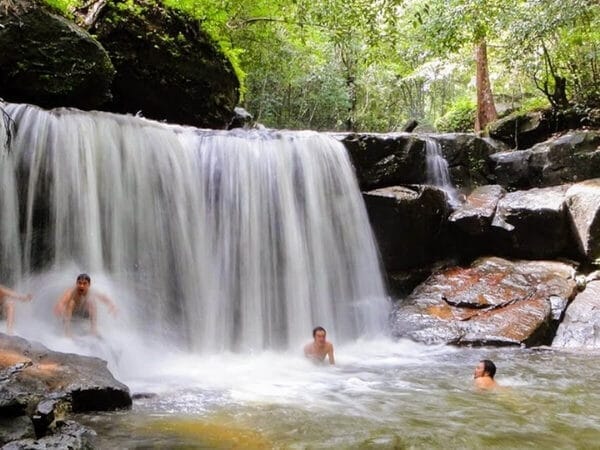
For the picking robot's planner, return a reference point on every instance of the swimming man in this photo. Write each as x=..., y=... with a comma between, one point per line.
x=484, y=375
x=320, y=347
x=80, y=301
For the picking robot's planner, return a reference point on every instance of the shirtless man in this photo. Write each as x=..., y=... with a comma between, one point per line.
x=7, y=307
x=484, y=375
x=320, y=347
x=80, y=301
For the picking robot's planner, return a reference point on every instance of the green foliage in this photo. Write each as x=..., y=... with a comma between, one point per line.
x=459, y=118
x=534, y=104
x=338, y=64
x=64, y=6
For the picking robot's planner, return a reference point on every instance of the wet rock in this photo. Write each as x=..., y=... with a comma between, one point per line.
x=569, y=158
x=401, y=283
x=68, y=435
x=580, y=327
x=583, y=204
x=468, y=157
x=407, y=222
x=384, y=160
x=47, y=412
x=511, y=168
x=492, y=302
x=49, y=61
x=241, y=119
x=532, y=224
x=14, y=428
x=475, y=215
x=167, y=67
x=85, y=381
x=522, y=130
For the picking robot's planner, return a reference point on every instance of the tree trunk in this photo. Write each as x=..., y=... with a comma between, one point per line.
x=486, y=110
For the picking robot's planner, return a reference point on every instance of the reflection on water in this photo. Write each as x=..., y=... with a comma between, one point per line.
x=381, y=394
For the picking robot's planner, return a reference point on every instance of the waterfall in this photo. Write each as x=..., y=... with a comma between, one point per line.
x=239, y=241
x=437, y=169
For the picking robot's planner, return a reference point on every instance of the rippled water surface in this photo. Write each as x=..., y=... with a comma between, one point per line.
x=381, y=394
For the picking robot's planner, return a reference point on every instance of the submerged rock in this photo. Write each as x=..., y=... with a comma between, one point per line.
x=492, y=302
x=580, y=327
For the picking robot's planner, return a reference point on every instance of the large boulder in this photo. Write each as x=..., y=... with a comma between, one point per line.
x=532, y=224
x=39, y=388
x=383, y=160
x=493, y=302
x=167, y=67
x=49, y=61
x=583, y=204
x=37, y=372
x=522, y=130
x=569, y=158
x=407, y=222
x=580, y=327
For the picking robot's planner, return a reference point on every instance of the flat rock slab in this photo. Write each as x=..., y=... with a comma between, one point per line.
x=29, y=372
x=494, y=301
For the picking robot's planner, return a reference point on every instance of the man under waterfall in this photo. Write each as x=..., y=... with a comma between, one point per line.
x=320, y=347
x=80, y=301
x=7, y=307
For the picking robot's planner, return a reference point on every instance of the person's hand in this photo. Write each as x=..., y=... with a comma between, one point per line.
x=28, y=297
x=113, y=309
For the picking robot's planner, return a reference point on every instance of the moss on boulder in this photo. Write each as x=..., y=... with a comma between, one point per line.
x=167, y=67
x=49, y=61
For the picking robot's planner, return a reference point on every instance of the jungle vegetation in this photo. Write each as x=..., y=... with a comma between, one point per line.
x=374, y=64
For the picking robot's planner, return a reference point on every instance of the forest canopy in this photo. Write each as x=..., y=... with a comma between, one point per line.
x=373, y=65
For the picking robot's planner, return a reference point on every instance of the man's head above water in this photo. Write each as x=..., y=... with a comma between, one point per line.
x=485, y=368
x=319, y=334
x=83, y=283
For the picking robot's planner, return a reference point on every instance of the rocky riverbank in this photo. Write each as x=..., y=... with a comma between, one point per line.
x=40, y=388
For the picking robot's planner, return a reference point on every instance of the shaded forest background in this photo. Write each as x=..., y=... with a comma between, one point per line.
x=373, y=65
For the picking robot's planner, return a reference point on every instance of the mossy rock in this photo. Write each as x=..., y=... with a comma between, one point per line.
x=167, y=67
x=49, y=61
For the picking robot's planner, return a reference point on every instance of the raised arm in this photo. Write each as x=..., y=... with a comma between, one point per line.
x=6, y=292
x=108, y=302
x=330, y=354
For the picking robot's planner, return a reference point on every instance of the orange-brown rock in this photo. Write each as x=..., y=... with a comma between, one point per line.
x=494, y=301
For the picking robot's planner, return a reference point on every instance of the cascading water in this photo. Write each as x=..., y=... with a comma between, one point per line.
x=222, y=240
x=437, y=169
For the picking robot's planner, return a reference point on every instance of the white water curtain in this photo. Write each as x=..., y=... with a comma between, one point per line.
x=232, y=240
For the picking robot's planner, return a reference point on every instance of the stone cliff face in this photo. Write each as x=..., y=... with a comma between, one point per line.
x=531, y=203
x=136, y=57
